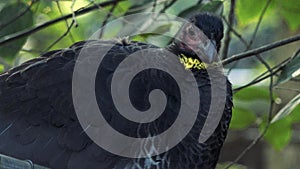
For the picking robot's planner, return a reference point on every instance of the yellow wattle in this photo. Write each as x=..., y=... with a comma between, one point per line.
x=191, y=63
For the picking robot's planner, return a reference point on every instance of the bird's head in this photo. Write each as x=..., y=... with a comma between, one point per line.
x=201, y=36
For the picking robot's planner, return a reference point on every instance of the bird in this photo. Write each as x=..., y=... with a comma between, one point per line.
x=38, y=120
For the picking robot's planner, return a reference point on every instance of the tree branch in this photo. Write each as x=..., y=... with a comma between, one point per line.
x=260, y=136
x=228, y=31
x=18, y=16
x=235, y=32
x=167, y=5
x=66, y=21
x=258, y=23
x=264, y=75
x=261, y=49
x=79, y=12
x=62, y=36
x=108, y=15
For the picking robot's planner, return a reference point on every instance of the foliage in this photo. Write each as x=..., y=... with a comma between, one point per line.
x=290, y=70
x=248, y=11
x=279, y=133
x=287, y=109
x=242, y=118
x=10, y=24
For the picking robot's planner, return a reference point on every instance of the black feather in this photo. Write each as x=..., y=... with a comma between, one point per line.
x=38, y=120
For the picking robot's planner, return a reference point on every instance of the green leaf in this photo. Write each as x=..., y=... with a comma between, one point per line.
x=249, y=10
x=287, y=109
x=122, y=8
x=139, y=6
x=234, y=166
x=214, y=7
x=241, y=118
x=157, y=31
x=10, y=23
x=290, y=11
x=295, y=114
x=253, y=93
x=279, y=134
x=248, y=13
x=162, y=29
x=290, y=70
x=1, y=68
x=138, y=38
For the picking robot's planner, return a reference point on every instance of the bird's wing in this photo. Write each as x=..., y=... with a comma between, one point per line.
x=37, y=118
x=38, y=121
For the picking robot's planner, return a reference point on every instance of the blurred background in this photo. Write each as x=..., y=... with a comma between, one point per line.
x=265, y=128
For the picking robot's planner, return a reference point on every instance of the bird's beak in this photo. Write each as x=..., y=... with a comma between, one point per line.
x=210, y=51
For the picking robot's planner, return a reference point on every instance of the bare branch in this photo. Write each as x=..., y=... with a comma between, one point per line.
x=106, y=18
x=62, y=36
x=275, y=69
x=288, y=89
x=73, y=13
x=154, y=5
x=66, y=21
x=263, y=76
x=271, y=74
x=235, y=32
x=295, y=79
x=261, y=49
x=260, y=136
x=227, y=33
x=258, y=23
x=167, y=5
x=79, y=12
x=18, y=16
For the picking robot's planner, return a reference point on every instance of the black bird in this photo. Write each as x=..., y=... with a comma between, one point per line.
x=38, y=121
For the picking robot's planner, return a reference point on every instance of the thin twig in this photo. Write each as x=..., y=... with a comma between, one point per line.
x=260, y=136
x=61, y=37
x=73, y=13
x=248, y=45
x=66, y=21
x=79, y=12
x=3, y=62
x=254, y=142
x=112, y=15
x=289, y=89
x=227, y=33
x=263, y=76
x=18, y=16
x=154, y=5
x=109, y=14
x=235, y=32
x=167, y=5
x=295, y=79
x=261, y=49
x=237, y=35
x=31, y=51
x=296, y=53
x=258, y=23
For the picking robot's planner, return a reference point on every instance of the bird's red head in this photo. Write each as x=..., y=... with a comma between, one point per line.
x=201, y=36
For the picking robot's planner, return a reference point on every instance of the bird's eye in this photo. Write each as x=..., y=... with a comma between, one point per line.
x=191, y=31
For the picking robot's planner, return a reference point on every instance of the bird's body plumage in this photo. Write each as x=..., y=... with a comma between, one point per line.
x=38, y=121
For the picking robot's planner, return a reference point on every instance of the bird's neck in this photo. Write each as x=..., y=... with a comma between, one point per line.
x=189, y=59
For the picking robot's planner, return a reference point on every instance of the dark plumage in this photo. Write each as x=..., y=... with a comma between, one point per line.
x=38, y=122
